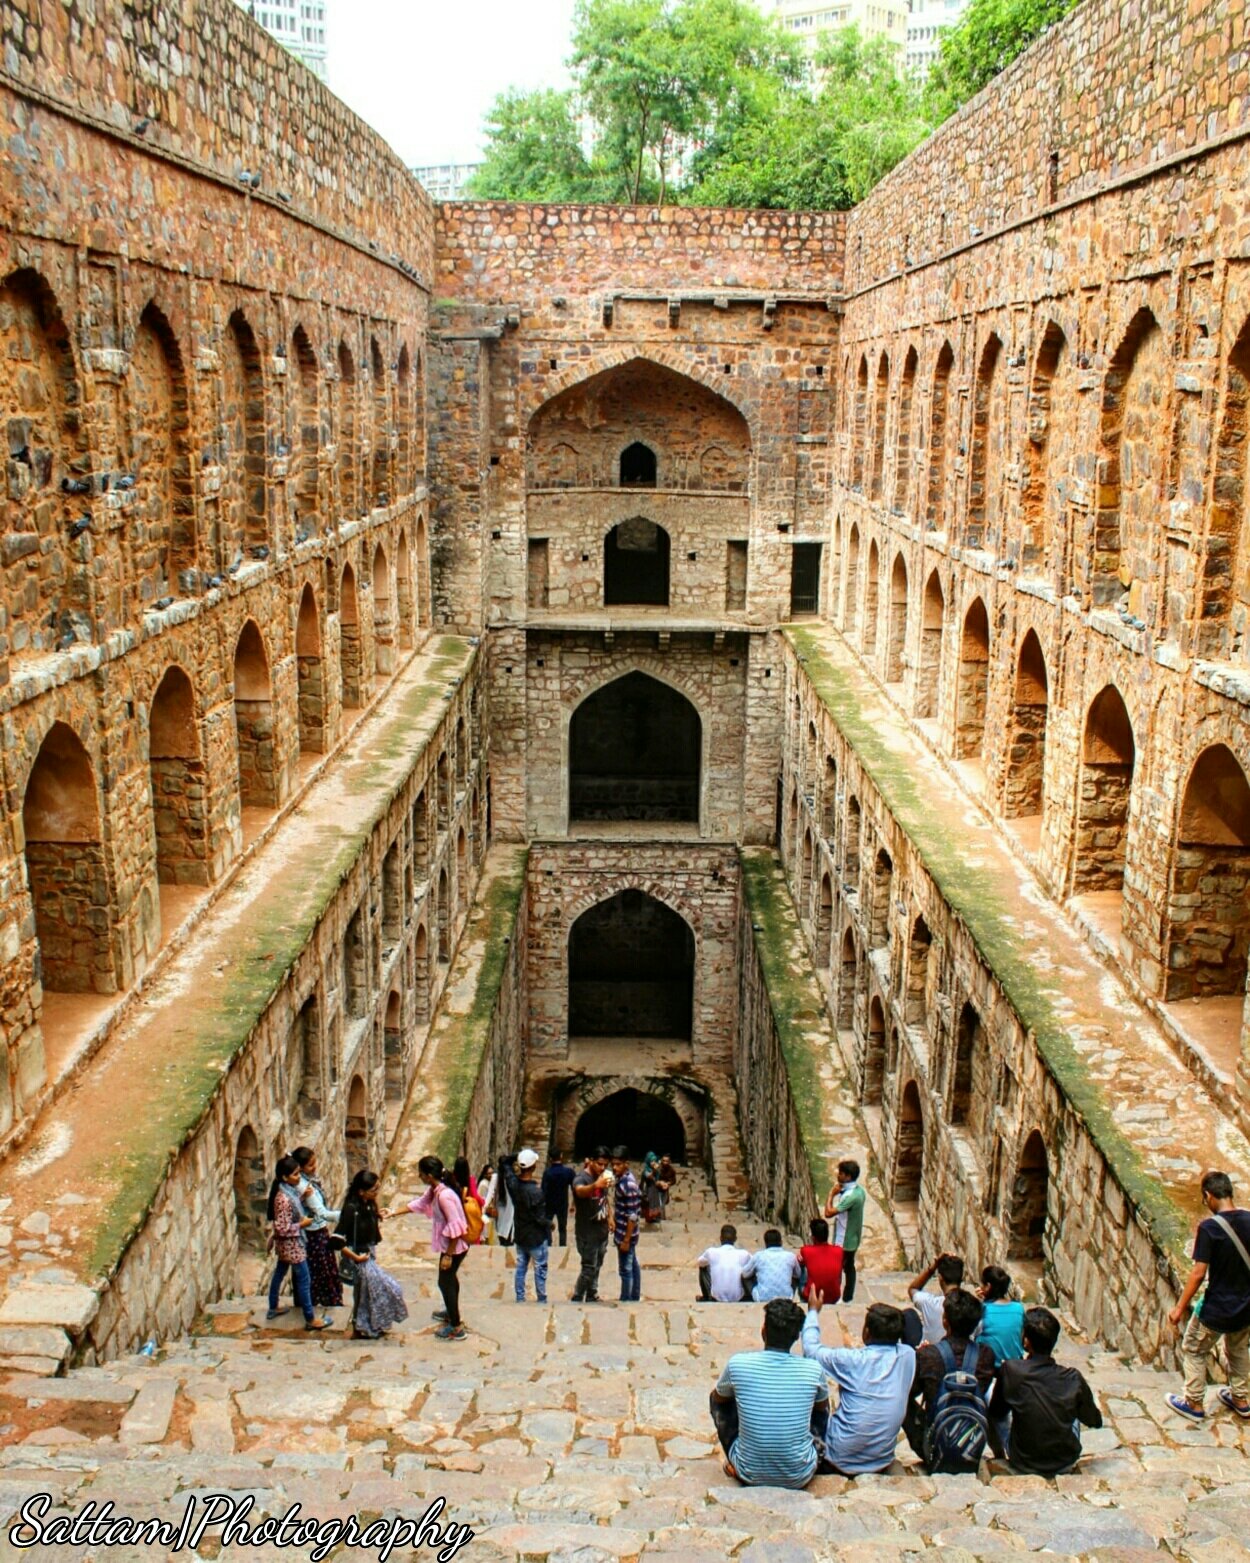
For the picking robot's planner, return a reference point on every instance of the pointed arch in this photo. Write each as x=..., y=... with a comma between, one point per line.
x=178, y=783
x=306, y=458
x=941, y=432
x=919, y=953
x=635, y=753
x=404, y=420
x=1030, y=1191
x=1109, y=755
x=874, y=1054
x=160, y=526
x=1226, y=575
x=383, y=613
x=380, y=476
x=896, y=623
x=631, y=965
x=872, y=588
x=850, y=612
x=310, y=676
x=1133, y=399
x=903, y=433
x=404, y=592
x=351, y=666
x=988, y=435
x=908, y=1180
x=1042, y=509
x=932, y=633
x=974, y=676
x=881, y=402
x=1026, y=739
x=1209, y=910
x=253, y=719
x=246, y=520
x=348, y=433
x=859, y=435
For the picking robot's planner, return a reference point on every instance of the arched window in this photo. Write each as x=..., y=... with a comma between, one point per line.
x=638, y=466
x=631, y=970
x=635, y=753
x=1209, y=912
x=636, y=564
x=1108, y=758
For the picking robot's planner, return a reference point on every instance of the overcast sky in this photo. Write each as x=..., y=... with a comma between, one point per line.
x=424, y=72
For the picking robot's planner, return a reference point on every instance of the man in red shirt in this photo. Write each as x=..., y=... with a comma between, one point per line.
x=822, y=1264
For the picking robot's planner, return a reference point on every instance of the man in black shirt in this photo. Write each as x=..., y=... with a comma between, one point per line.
x=1222, y=1260
x=1042, y=1402
x=557, y=1180
x=533, y=1227
x=590, y=1223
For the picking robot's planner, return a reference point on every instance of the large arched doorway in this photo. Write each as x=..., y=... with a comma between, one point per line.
x=634, y=753
x=1209, y=913
x=636, y=565
x=635, y=1119
x=1027, y=1217
x=631, y=970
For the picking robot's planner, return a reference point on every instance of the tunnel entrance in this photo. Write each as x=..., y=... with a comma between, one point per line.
x=631, y=970
x=636, y=1119
x=634, y=753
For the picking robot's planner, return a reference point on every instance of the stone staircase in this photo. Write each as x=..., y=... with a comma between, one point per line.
x=581, y=1433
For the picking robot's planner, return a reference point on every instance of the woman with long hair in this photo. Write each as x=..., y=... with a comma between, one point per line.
x=487, y=1180
x=442, y=1203
x=378, y=1299
x=327, y=1288
x=470, y=1198
x=289, y=1221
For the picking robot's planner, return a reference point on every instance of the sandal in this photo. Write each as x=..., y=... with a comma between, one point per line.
x=318, y=1324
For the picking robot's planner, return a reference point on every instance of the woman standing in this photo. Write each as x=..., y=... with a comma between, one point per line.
x=378, y=1298
x=289, y=1221
x=327, y=1288
x=442, y=1204
x=652, y=1193
x=470, y=1198
x=486, y=1181
x=667, y=1176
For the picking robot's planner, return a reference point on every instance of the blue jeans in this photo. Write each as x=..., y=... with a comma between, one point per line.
x=301, y=1282
x=523, y=1257
x=630, y=1271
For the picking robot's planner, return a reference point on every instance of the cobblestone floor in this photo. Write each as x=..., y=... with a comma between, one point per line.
x=581, y=1434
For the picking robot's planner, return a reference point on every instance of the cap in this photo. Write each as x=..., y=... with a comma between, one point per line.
x=527, y=1159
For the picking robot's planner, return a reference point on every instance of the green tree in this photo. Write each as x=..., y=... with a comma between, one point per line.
x=986, y=39
x=533, y=152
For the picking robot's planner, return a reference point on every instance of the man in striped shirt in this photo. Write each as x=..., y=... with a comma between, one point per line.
x=771, y=1409
x=627, y=1211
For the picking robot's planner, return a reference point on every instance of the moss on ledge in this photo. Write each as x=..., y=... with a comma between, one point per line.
x=794, y=997
x=466, y=1035
x=975, y=895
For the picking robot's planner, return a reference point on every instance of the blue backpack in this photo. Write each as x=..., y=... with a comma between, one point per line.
x=955, y=1437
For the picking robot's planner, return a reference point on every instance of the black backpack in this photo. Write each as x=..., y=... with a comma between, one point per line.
x=958, y=1427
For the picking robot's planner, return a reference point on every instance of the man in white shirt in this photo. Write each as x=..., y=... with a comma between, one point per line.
x=721, y=1270
x=949, y=1270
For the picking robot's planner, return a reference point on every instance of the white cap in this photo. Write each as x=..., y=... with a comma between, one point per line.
x=527, y=1159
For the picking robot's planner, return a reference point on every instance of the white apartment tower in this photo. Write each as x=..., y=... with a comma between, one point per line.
x=811, y=20
x=299, y=25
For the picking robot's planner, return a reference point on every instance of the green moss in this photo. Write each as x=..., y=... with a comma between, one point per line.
x=976, y=897
x=794, y=996
x=462, y=1053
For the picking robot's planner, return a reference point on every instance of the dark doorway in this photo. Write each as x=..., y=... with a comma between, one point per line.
x=636, y=565
x=805, y=579
x=638, y=466
x=635, y=1119
x=631, y=970
x=634, y=752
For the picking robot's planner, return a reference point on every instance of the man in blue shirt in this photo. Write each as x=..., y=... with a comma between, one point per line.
x=774, y=1269
x=557, y=1181
x=627, y=1216
x=770, y=1408
x=874, y=1383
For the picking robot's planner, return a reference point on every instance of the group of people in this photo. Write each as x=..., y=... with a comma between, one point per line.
x=961, y=1372
x=508, y=1203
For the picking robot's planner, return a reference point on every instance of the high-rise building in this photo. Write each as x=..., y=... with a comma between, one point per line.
x=299, y=25
x=927, y=21
x=445, y=181
x=810, y=20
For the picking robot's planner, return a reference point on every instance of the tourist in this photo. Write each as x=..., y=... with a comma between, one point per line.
x=470, y=1198
x=323, y=1269
x=951, y=1383
x=722, y=1271
x=821, y=1263
x=557, y=1181
x=774, y=1270
x=874, y=1387
x=1222, y=1260
x=626, y=1214
x=464, y=1180
x=846, y=1205
x=929, y=1305
x=668, y=1180
x=533, y=1228
x=770, y=1408
x=450, y=1241
x=652, y=1194
x=590, y=1223
x=1037, y=1405
x=1002, y=1322
x=289, y=1222
x=486, y=1182
x=378, y=1298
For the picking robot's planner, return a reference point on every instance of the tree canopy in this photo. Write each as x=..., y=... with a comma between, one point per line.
x=708, y=102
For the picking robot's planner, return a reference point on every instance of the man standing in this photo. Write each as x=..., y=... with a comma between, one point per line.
x=874, y=1385
x=1222, y=1260
x=557, y=1180
x=590, y=1223
x=533, y=1228
x=1037, y=1404
x=770, y=1408
x=627, y=1210
x=846, y=1203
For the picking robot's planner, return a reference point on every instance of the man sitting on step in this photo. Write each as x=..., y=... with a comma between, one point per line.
x=773, y=1270
x=770, y=1408
x=722, y=1271
x=874, y=1385
x=1038, y=1407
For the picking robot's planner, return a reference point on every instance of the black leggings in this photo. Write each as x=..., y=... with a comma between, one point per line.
x=449, y=1287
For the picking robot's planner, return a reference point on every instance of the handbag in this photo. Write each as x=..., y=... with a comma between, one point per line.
x=349, y=1270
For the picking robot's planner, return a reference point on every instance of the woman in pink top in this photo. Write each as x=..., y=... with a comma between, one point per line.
x=442, y=1204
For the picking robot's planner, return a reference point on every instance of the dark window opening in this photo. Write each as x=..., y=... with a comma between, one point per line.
x=638, y=466
x=638, y=1121
x=805, y=578
x=636, y=565
x=634, y=753
x=631, y=970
